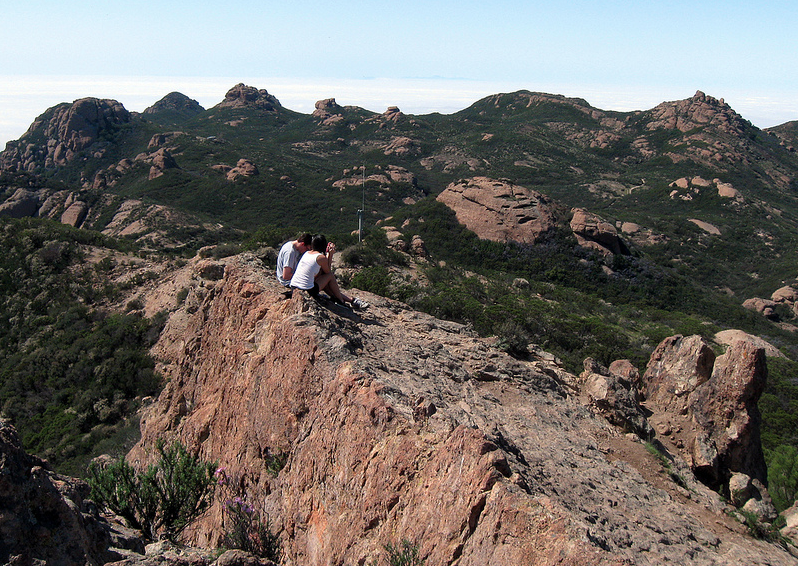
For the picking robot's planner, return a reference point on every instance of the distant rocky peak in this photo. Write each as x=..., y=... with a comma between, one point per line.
x=328, y=111
x=242, y=96
x=527, y=99
x=393, y=113
x=62, y=132
x=176, y=102
x=697, y=111
x=327, y=105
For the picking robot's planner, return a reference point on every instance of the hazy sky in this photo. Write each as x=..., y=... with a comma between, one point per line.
x=422, y=56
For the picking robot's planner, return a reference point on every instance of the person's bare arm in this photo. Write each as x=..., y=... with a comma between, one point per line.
x=324, y=262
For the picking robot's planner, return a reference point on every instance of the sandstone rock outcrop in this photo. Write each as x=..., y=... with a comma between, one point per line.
x=615, y=397
x=725, y=411
x=129, y=217
x=705, y=226
x=402, y=146
x=686, y=188
x=729, y=337
x=708, y=406
x=699, y=110
x=324, y=108
x=44, y=518
x=243, y=168
x=401, y=426
x=384, y=177
x=160, y=161
x=176, y=103
x=393, y=114
x=677, y=366
x=75, y=214
x=69, y=130
x=787, y=295
x=21, y=204
x=592, y=232
x=242, y=95
x=158, y=140
x=328, y=112
x=764, y=306
x=500, y=210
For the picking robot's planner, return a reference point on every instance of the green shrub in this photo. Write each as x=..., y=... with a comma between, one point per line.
x=783, y=475
x=275, y=462
x=359, y=255
x=513, y=338
x=70, y=373
x=761, y=530
x=375, y=280
x=161, y=501
x=222, y=251
x=244, y=529
x=403, y=554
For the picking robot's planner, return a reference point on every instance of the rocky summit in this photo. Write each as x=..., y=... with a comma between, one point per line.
x=397, y=425
x=355, y=430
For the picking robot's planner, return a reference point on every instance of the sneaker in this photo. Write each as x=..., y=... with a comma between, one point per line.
x=359, y=303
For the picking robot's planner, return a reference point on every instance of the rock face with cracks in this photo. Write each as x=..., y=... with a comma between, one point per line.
x=499, y=210
x=397, y=426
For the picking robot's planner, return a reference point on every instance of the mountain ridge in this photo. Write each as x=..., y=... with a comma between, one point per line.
x=683, y=184
x=386, y=401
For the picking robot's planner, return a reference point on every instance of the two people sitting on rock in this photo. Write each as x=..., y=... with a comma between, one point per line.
x=289, y=256
x=314, y=273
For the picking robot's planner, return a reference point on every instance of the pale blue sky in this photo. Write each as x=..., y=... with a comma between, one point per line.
x=422, y=56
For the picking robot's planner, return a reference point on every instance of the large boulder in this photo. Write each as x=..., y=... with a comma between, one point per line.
x=500, y=210
x=161, y=161
x=764, y=306
x=75, y=214
x=21, y=204
x=724, y=409
x=594, y=233
x=676, y=367
x=615, y=397
x=706, y=407
x=244, y=168
x=730, y=336
x=44, y=518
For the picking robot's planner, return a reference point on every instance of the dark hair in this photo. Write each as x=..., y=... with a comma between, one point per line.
x=305, y=239
x=319, y=243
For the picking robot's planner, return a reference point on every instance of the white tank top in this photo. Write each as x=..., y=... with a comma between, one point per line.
x=306, y=271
